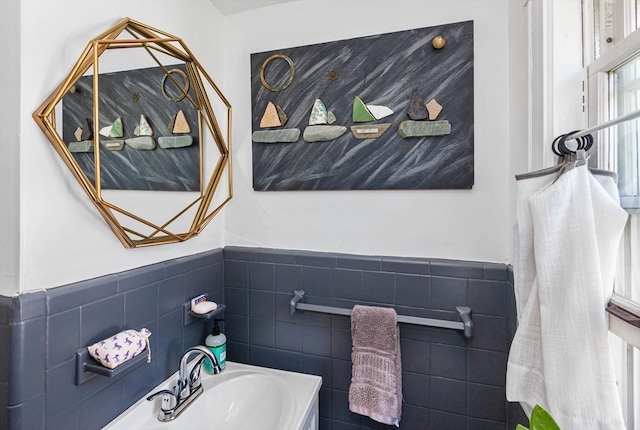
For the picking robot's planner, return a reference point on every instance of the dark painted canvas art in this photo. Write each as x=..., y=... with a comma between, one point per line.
x=381, y=70
x=129, y=94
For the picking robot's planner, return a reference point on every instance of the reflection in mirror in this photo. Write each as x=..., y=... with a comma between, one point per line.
x=139, y=121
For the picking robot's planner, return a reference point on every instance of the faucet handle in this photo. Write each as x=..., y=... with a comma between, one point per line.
x=169, y=400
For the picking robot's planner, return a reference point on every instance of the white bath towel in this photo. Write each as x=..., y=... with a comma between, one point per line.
x=560, y=355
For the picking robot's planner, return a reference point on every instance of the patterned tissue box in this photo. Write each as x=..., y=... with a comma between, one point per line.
x=121, y=348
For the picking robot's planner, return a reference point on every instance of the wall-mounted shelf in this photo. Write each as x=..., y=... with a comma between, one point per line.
x=87, y=367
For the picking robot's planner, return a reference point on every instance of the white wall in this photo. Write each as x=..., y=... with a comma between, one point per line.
x=466, y=225
x=9, y=146
x=62, y=237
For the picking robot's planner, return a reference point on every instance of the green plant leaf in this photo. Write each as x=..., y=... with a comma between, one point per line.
x=521, y=427
x=541, y=420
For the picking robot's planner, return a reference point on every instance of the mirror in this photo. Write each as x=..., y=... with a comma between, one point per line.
x=145, y=132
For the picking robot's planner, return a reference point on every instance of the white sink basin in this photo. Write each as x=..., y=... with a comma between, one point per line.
x=242, y=397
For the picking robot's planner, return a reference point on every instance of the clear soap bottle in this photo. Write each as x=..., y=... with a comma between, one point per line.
x=217, y=343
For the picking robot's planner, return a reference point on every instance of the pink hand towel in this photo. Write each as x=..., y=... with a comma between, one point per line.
x=376, y=374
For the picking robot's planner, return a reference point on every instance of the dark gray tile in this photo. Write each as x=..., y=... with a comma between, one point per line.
x=28, y=415
x=317, y=365
x=347, y=284
x=340, y=375
x=487, y=297
x=237, y=328
x=341, y=425
x=448, y=395
x=487, y=367
x=215, y=277
x=169, y=332
x=359, y=262
x=445, y=420
x=316, y=340
x=316, y=281
x=195, y=283
x=448, y=293
x=412, y=290
x=487, y=402
x=28, y=306
x=138, y=383
x=489, y=333
x=288, y=278
x=62, y=393
x=379, y=287
x=65, y=420
x=139, y=277
x=98, y=410
x=415, y=356
x=236, y=274
x=238, y=352
x=180, y=265
x=6, y=303
x=101, y=319
x=288, y=336
x=141, y=306
x=27, y=358
x=415, y=389
x=262, y=276
x=4, y=402
x=480, y=424
x=63, y=337
x=415, y=332
x=210, y=257
x=237, y=301
x=289, y=360
x=449, y=361
x=447, y=337
x=457, y=269
x=262, y=304
x=511, y=310
x=260, y=356
x=325, y=402
x=341, y=322
x=282, y=256
x=73, y=295
x=170, y=294
x=318, y=259
x=240, y=253
x=495, y=272
x=340, y=408
x=5, y=346
x=406, y=265
x=341, y=344
x=515, y=415
x=262, y=332
x=414, y=417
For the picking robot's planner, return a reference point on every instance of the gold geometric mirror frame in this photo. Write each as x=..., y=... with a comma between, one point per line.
x=196, y=209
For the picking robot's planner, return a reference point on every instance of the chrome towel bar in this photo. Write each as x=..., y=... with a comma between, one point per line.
x=465, y=325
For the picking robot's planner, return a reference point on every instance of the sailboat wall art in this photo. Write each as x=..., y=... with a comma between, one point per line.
x=393, y=111
x=147, y=141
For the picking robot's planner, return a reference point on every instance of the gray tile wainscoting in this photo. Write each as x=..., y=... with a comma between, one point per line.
x=449, y=382
x=41, y=332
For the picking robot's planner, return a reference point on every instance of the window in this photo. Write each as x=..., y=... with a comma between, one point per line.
x=612, y=57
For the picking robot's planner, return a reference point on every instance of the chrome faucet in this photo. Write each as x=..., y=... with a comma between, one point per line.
x=188, y=387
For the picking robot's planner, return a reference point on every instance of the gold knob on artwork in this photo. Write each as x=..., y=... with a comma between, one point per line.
x=438, y=42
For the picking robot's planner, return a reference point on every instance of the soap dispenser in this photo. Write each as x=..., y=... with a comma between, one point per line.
x=217, y=343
